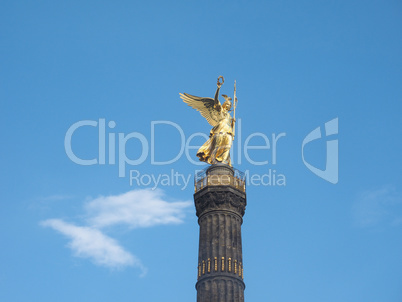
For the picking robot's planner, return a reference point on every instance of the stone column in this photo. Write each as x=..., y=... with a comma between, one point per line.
x=220, y=205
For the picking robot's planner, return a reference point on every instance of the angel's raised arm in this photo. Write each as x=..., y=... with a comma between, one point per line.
x=217, y=103
x=216, y=99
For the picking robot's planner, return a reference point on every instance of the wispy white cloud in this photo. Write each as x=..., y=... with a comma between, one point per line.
x=134, y=209
x=137, y=208
x=377, y=206
x=87, y=242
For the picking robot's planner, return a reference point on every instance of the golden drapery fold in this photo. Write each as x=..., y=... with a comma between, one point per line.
x=217, y=148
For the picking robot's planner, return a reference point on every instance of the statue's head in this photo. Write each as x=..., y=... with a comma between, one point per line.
x=227, y=104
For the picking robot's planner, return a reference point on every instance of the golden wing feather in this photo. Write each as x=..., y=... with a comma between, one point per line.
x=206, y=106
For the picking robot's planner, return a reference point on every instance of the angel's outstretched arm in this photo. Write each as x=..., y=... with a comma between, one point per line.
x=217, y=103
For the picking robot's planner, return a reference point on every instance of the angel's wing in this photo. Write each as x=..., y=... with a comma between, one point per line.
x=204, y=105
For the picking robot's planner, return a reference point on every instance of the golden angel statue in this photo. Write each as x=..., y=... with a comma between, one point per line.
x=216, y=149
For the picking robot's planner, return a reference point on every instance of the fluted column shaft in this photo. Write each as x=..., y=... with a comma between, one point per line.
x=220, y=260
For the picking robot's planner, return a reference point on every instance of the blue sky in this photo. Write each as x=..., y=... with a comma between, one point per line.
x=74, y=232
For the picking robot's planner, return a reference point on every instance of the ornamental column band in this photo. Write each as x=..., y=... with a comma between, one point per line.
x=220, y=201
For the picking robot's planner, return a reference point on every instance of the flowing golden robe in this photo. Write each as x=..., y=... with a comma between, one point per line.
x=216, y=149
